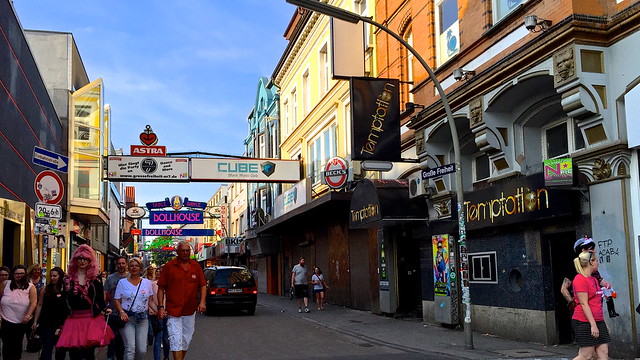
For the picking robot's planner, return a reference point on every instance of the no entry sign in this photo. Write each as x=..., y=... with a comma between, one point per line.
x=48, y=187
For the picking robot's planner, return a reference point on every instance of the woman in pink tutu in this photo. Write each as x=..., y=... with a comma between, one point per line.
x=85, y=329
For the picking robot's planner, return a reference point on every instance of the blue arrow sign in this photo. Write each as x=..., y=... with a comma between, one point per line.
x=49, y=159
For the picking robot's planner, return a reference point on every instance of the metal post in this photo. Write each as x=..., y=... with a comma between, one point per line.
x=345, y=15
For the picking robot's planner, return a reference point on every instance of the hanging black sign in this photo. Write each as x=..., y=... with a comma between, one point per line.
x=375, y=114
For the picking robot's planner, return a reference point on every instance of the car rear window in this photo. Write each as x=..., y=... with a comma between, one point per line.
x=239, y=277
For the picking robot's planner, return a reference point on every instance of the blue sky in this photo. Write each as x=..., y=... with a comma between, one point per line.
x=190, y=69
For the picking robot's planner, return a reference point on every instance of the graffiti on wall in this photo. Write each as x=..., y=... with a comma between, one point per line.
x=607, y=251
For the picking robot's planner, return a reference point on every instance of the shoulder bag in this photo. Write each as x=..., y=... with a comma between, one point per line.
x=114, y=319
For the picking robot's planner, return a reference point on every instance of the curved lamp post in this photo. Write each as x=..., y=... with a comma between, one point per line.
x=338, y=13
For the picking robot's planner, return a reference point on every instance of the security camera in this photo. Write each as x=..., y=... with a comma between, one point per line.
x=458, y=74
x=530, y=22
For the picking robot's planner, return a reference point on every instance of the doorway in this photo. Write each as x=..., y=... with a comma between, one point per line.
x=561, y=256
x=10, y=237
x=408, y=274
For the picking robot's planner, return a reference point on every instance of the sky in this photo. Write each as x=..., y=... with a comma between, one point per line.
x=189, y=69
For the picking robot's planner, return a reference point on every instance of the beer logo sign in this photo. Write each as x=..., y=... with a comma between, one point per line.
x=336, y=172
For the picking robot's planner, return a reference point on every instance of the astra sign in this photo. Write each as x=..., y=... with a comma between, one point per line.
x=171, y=217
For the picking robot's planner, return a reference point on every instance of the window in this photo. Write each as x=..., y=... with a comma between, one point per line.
x=448, y=33
x=483, y=268
x=306, y=93
x=561, y=138
x=262, y=146
x=481, y=167
x=274, y=142
x=502, y=8
x=285, y=121
x=321, y=149
x=324, y=70
x=294, y=114
x=360, y=7
x=409, y=39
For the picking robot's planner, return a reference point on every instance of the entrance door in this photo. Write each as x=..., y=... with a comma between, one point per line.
x=408, y=267
x=11, y=238
x=561, y=256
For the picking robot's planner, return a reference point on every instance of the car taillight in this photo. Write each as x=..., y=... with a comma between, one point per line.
x=216, y=291
x=252, y=290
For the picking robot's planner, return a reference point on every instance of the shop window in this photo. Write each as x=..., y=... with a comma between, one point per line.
x=481, y=167
x=448, y=33
x=502, y=8
x=483, y=268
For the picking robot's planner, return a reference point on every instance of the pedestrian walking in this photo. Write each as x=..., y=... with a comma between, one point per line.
x=103, y=277
x=319, y=287
x=183, y=283
x=34, y=274
x=51, y=313
x=589, y=328
x=157, y=326
x=85, y=328
x=131, y=299
x=4, y=275
x=18, y=300
x=300, y=283
x=116, y=347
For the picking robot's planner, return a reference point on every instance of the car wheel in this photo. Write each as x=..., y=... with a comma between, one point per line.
x=252, y=310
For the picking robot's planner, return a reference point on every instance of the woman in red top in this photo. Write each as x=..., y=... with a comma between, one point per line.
x=590, y=330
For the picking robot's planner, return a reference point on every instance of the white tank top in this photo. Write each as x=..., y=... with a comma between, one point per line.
x=14, y=303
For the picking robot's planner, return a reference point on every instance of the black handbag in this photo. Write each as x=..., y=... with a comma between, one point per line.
x=34, y=344
x=114, y=319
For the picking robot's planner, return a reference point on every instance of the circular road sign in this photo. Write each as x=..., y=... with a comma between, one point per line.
x=336, y=172
x=48, y=187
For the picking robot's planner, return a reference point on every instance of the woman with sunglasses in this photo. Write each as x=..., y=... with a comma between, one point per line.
x=18, y=300
x=589, y=328
x=85, y=328
x=51, y=313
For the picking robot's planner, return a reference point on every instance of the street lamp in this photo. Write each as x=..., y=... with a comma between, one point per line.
x=338, y=13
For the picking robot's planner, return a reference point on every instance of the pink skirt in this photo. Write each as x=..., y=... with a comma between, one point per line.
x=81, y=330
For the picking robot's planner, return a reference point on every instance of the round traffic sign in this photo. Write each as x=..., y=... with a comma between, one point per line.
x=48, y=187
x=336, y=172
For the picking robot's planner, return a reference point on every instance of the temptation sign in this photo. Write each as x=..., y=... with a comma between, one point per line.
x=172, y=217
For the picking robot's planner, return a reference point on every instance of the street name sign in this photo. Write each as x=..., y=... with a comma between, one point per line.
x=48, y=211
x=438, y=171
x=50, y=159
x=178, y=232
x=136, y=168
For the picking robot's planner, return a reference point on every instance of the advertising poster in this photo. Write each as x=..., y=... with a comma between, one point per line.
x=440, y=245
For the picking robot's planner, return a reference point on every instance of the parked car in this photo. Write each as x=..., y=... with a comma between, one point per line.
x=230, y=287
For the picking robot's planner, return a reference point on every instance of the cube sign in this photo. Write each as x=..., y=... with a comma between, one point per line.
x=175, y=217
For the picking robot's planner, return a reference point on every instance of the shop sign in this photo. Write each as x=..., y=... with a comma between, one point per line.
x=171, y=217
x=139, y=150
x=12, y=211
x=521, y=200
x=245, y=170
x=159, y=204
x=177, y=232
x=135, y=212
x=336, y=172
x=558, y=172
x=375, y=114
x=233, y=245
x=194, y=204
x=365, y=205
x=293, y=198
x=135, y=168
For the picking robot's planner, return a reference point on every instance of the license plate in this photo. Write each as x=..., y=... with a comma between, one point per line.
x=234, y=290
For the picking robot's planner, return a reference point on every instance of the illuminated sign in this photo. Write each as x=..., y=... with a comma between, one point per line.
x=133, y=168
x=558, y=171
x=245, y=170
x=177, y=232
x=171, y=217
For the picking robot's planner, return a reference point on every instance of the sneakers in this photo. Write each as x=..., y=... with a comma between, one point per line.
x=307, y=310
x=299, y=310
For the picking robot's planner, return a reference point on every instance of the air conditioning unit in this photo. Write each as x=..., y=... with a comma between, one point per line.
x=416, y=188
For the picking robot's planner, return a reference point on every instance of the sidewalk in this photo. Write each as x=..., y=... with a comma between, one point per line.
x=414, y=336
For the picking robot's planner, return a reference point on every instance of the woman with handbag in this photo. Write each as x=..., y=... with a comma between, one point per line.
x=133, y=294
x=18, y=302
x=85, y=328
x=51, y=313
x=319, y=287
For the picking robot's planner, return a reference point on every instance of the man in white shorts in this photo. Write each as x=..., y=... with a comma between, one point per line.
x=180, y=281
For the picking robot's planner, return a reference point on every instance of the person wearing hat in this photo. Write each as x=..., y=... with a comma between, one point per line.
x=583, y=244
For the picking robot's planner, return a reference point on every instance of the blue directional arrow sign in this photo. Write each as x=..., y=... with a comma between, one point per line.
x=50, y=160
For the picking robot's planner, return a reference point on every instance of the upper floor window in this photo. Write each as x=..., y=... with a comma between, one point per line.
x=360, y=7
x=324, y=69
x=409, y=38
x=481, y=167
x=285, y=120
x=561, y=138
x=448, y=33
x=306, y=93
x=294, y=104
x=262, y=146
x=321, y=149
x=502, y=8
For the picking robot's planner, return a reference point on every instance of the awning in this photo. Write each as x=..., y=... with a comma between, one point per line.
x=384, y=203
x=322, y=203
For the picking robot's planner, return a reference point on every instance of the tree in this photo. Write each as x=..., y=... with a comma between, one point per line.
x=161, y=249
